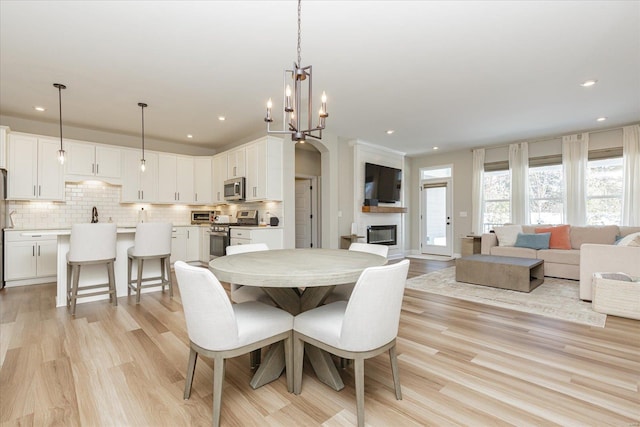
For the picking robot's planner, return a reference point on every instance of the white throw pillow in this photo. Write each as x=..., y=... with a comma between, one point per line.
x=507, y=234
x=632, y=239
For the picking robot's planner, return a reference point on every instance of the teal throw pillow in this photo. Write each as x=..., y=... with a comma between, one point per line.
x=533, y=241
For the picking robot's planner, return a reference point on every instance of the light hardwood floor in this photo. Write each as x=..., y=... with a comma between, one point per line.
x=460, y=363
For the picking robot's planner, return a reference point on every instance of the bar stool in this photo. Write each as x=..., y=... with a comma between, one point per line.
x=152, y=241
x=91, y=244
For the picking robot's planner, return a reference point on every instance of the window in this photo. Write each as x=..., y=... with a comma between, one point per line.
x=545, y=194
x=604, y=191
x=497, y=199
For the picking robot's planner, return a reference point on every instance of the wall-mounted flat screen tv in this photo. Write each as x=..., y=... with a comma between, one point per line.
x=382, y=183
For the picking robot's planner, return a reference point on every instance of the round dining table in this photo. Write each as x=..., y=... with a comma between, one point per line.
x=296, y=280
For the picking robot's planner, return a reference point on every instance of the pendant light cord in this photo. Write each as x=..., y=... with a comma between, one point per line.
x=142, y=105
x=299, y=32
x=60, y=109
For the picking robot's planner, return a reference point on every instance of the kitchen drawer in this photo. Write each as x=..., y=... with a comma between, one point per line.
x=237, y=241
x=240, y=233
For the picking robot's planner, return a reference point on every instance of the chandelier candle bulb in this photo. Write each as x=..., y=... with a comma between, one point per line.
x=287, y=105
x=269, y=105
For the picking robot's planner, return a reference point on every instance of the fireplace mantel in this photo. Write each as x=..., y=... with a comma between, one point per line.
x=383, y=209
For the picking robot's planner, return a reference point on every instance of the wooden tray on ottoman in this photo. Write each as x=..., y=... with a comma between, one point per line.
x=518, y=274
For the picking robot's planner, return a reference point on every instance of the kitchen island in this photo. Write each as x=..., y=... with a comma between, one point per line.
x=93, y=274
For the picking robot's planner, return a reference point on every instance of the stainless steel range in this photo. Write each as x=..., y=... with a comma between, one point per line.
x=219, y=235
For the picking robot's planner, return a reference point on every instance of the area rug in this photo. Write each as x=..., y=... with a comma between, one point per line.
x=556, y=298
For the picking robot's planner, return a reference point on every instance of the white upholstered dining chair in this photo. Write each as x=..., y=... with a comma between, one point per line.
x=343, y=292
x=221, y=330
x=240, y=293
x=91, y=244
x=363, y=327
x=152, y=242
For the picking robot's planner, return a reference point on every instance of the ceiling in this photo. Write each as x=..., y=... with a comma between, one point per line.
x=447, y=74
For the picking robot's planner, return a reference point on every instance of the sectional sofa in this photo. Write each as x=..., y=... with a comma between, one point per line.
x=600, y=253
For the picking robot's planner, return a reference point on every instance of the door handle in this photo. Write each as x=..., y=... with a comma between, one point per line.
x=97, y=168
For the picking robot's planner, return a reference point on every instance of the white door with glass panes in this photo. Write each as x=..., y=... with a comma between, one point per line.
x=436, y=223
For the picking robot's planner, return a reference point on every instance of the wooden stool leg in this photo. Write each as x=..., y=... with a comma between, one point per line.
x=74, y=290
x=113, y=295
x=68, y=284
x=139, y=284
x=169, y=279
x=129, y=270
x=163, y=280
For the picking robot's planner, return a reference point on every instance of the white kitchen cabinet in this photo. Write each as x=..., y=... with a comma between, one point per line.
x=4, y=131
x=29, y=259
x=34, y=170
x=236, y=159
x=175, y=180
x=264, y=170
x=272, y=236
x=193, y=243
x=219, y=176
x=87, y=161
x=202, y=180
x=205, y=235
x=138, y=186
x=185, y=244
x=179, y=244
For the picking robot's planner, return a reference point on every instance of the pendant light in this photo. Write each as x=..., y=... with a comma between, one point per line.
x=142, y=105
x=292, y=114
x=61, y=153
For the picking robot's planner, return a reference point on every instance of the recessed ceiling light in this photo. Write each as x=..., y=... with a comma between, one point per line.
x=222, y=118
x=588, y=83
x=601, y=119
x=435, y=148
x=390, y=131
x=189, y=136
x=38, y=108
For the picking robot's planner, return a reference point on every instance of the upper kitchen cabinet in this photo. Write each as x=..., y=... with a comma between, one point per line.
x=264, y=169
x=138, y=186
x=92, y=161
x=175, y=182
x=202, y=180
x=219, y=176
x=236, y=159
x=34, y=170
x=3, y=146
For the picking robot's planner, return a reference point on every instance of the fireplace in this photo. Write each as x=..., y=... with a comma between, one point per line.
x=382, y=234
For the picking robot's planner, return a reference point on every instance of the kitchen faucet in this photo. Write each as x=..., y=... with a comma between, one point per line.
x=94, y=215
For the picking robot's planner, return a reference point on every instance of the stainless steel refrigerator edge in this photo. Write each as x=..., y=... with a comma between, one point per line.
x=3, y=218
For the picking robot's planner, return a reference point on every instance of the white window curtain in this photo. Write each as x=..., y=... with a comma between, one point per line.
x=575, y=152
x=477, y=196
x=631, y=180
x=519, y=170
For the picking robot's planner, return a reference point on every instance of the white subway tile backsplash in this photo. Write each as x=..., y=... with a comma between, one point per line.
x=81, y=197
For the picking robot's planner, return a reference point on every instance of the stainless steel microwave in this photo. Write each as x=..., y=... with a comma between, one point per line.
x=234, y=189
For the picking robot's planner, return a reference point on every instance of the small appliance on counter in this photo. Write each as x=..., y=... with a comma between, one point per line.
x=274, y=221
x=202, y=217
x=221, y=219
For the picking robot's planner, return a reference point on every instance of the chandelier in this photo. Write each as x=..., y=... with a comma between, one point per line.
x=292, y=123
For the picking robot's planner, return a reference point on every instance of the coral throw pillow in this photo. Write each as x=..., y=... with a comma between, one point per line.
x=559, y=236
